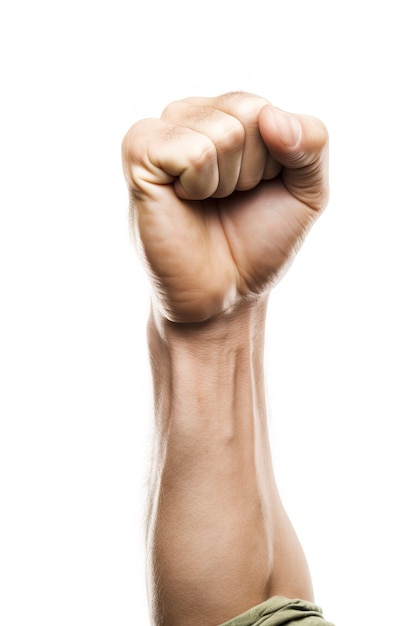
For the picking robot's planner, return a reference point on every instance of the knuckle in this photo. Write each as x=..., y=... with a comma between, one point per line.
x=132, y=141
x=179, y=111
x=128, y=144
x=230, y=135
x=172, y=110
x=245, y=106
x=202, y=153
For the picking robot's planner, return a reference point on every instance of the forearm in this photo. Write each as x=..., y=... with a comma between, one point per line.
x=212, y=479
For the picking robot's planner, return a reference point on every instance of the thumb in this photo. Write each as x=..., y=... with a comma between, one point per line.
x=300, y=145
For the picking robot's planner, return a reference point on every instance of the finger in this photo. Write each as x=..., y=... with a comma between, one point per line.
x=225, y=131
x=246, y=107
x=272, y=168
x=300, y=144
x=158, y=153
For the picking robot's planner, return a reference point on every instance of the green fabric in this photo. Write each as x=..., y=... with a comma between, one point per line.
x=280, y=611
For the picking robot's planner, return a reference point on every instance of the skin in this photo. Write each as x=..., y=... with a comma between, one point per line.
x=222, y=192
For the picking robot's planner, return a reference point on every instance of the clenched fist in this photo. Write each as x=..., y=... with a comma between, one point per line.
x=223, y=191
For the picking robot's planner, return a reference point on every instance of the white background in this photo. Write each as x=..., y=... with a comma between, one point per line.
x=341, y=351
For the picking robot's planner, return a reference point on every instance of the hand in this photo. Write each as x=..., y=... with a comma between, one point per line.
x=223, y=191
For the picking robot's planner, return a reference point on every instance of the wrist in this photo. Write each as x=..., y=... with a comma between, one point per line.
x=208, y=375
x=234, y=327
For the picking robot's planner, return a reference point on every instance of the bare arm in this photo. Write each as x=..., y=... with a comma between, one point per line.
x=218, y=530
x=223, y=192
